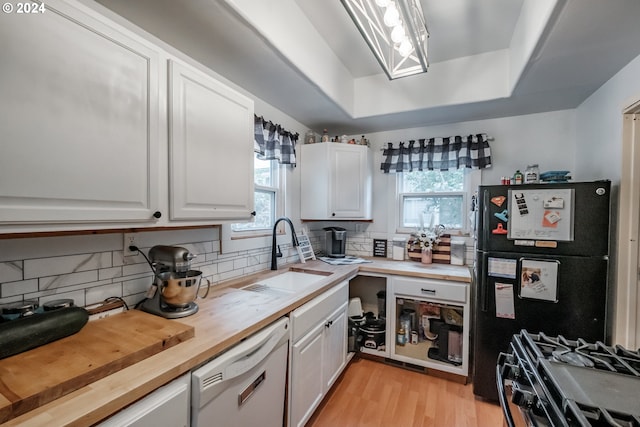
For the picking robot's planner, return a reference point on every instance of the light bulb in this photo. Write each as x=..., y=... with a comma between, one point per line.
x=383, y=3
x=405, y=48
x=397, y=34
x=391, y=16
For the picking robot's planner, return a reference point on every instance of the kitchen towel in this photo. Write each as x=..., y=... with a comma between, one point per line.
x=348, y=260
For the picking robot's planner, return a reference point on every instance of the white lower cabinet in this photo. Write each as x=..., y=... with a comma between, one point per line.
x=167, y=406
x=318, y=351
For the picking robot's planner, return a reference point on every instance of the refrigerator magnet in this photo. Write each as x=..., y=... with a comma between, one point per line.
x=539, y=279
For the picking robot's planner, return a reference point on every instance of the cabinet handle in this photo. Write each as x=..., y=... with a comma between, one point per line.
x=157, y=214
x=253, y=213
x=328, y=324
x=333, y=214
x=428, y=291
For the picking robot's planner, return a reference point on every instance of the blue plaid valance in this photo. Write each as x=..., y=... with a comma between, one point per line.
x=453, y=152
x=272, y=142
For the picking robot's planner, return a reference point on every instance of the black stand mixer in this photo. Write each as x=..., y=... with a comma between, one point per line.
x=175, y=286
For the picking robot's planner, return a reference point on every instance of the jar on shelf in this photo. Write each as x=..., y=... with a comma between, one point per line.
x=310, y=137
x=531, y=174
x=325, y=136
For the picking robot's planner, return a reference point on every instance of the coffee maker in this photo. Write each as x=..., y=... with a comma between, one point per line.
x=336, y=241
x=175, y=285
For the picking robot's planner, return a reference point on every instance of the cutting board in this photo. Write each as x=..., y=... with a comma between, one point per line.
x=100, y=348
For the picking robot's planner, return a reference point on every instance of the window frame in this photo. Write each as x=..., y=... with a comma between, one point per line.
x=243, y=240
x=472, y=179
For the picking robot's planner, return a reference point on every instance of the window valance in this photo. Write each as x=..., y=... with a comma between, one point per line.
x=273, y=142
x=452, y=152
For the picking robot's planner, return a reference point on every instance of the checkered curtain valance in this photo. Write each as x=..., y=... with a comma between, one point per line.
x=272, y=142
x=453, y=152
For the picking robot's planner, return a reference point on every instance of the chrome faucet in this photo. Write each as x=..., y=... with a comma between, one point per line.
x=294, y=242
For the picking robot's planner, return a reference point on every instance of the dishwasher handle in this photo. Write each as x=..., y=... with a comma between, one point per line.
x=247, y=392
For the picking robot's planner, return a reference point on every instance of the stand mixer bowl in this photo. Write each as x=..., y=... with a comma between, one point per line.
x=180, y=289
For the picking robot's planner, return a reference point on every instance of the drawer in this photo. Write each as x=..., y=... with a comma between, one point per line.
x=318, y=310
x=430, y=289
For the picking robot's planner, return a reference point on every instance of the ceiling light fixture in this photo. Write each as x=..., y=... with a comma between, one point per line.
x=396, y=32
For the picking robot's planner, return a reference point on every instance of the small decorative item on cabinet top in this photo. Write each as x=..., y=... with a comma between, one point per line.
x=433, y=238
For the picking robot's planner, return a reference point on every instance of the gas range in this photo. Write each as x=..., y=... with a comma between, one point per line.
x=552, y=381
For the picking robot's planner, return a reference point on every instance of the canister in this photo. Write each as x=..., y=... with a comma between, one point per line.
x=399, y=244
x=457, y=251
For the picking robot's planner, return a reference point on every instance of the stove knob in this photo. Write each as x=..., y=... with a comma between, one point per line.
x=522, y=398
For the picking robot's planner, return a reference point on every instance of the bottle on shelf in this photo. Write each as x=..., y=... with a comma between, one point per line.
x=325, y=136
x=517, y=177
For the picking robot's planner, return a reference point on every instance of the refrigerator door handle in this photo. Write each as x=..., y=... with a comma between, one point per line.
x=484, y=291
x=485, y=218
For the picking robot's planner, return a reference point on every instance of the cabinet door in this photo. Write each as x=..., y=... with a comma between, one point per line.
x=167, y=406
x=210, y=146
x=79, y=118
x=307, y=385
x=335, y=346
x=335, y=181
x=350, y=182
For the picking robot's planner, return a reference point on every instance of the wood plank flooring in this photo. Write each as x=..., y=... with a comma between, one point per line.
x=374, y=394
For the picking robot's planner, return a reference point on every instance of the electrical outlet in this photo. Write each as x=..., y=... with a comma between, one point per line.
x=130, y=239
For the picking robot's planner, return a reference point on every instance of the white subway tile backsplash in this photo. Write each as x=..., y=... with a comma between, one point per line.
x=100, y=293
x=143, y=268
x=232, y=274
x=137, y=286
x=78, y=297
x=225, y=266
x=65, y=264
x=239, y=263
x=91, y=268
x=12, y=289
x=10, y=271
x=52, y=282
x=109, y=273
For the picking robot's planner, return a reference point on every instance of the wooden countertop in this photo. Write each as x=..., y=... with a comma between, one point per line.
x=226, y=316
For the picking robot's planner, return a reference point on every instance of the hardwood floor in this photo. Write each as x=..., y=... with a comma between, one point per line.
x=375, y=394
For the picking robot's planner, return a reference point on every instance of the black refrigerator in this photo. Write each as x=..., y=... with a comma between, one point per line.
x=541, y=264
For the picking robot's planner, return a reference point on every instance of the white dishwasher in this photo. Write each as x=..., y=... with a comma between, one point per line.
x=245, y=386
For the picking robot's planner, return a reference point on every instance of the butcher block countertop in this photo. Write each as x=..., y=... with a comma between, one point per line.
x=225, y=317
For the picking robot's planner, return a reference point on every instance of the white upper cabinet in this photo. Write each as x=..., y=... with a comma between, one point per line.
x=79, y=114
x=335, y=181
x=102, y=128
x=210, y=148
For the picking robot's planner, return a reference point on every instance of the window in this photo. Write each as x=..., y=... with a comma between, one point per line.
x=267, y=195
x=435, y=197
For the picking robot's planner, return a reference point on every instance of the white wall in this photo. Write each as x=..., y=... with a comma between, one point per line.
x=545, y=138
x=599, y=125
x=599, y=156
